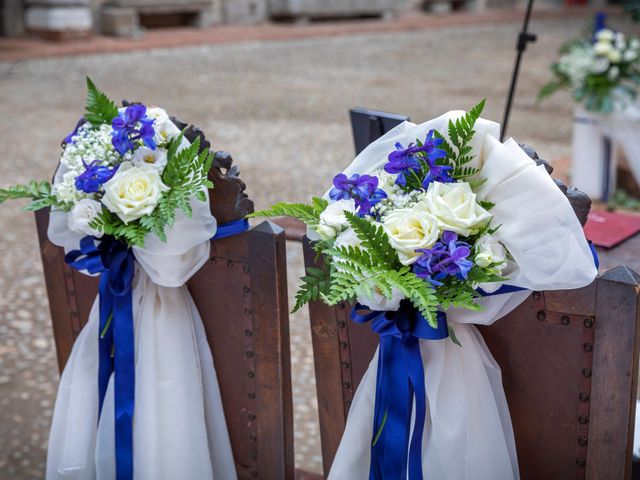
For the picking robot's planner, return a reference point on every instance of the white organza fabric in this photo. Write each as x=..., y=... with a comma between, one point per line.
x=179, y=428
x=468, y=432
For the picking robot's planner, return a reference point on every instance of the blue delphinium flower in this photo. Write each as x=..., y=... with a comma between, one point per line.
x=94, y=176
x=126, y=130
x=405, y=161
x=448, y=257
x=436, y=173
x=363, y=189
x=69, y=138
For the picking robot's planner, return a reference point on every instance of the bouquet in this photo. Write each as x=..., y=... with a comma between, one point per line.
x=602, y=72
x=122, y=173
x=129, y=201
x=434, y=227
x=413, y=230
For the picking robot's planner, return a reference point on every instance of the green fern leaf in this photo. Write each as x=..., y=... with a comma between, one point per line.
x=99, y=109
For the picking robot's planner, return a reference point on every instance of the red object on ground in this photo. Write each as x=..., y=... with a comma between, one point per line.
x=608, y=229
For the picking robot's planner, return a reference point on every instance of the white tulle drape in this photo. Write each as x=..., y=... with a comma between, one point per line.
x=468, y=432
x=179, y=429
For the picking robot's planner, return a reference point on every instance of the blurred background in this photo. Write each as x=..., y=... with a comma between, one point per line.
x=270, y=81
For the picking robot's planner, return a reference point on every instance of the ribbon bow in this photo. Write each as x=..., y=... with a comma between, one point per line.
x=115, y=262
x=399, y=380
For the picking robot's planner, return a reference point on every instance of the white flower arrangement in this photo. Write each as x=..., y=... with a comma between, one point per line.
x=123, y=172
x=602, y=72
x=413, y=231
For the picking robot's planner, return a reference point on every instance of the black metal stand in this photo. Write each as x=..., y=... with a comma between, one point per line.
x=523, y=38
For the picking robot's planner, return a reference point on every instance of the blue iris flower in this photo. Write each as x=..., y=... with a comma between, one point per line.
x=131, y=125
x=405, y=161
x=94, y=176
x=448, y=257
x=363, y=189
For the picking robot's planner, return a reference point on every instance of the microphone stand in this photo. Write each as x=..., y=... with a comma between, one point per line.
x=523, y=39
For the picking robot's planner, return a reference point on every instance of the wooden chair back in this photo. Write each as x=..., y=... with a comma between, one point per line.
x=241, y=291
x=569, y=363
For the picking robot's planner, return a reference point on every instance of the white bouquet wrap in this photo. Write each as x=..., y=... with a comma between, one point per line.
x=468, y=432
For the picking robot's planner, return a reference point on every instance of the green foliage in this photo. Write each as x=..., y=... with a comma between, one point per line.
x=99, y=109
x=458, y=145
x=486, y=204
x=309, y=214
x=375, y=268
x=132, y=233
x=38, y=192
x=374, y=239
x=314, y=283
x=632, y=7
x=186, y=176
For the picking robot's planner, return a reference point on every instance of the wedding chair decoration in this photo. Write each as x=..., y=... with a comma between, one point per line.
x=426, y=233
x=603, y=73
x=139, y=395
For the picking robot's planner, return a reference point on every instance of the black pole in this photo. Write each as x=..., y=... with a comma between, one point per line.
x=523, y=38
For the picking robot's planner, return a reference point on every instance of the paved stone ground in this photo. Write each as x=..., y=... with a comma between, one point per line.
x=281, y=108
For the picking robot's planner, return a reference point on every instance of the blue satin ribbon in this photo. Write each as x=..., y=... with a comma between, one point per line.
x=231, y=228
x=115, y=262
x=399, y=381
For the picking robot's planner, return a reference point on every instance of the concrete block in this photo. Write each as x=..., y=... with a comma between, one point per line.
x=244, y=11
x=120, y=21
x=59, y=20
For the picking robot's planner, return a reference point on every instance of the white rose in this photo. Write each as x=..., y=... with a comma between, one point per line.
x=156, y=158
x=82, y=214
x=333, y=219
x=165, y=131
x=605, y=34
x=455, y=207
x=613, y=73
x=629, y=55
x=489, y=250
x=133, y=191
x=158, y=114
x=381, y=303
x=347, y=238
x=602, y=48
x=409, y=229
x=614, y=56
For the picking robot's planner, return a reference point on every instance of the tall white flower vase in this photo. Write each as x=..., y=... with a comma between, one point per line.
x=594, y=156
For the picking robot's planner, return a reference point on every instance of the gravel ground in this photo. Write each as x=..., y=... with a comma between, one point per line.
x=281, y=109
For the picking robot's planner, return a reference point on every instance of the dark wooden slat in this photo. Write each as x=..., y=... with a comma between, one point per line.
x=615, y=375
x=342, y=351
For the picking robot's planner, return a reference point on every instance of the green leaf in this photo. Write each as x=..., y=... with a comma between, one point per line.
x=39, y=192
x=452, y=335
x=374, y=239
x=457, y=146
x=309, y=214
x=486, y=205
x=99, y=109
x=313, y=284
x=379, y=432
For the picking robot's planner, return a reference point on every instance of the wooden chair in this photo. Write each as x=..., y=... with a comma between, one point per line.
x=569, y=362
x=242, y=291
